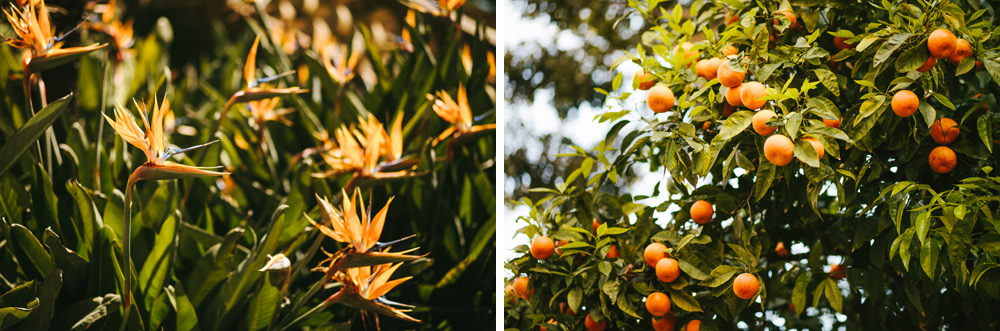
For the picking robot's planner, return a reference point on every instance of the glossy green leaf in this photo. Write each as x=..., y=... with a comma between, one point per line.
x=26, y=135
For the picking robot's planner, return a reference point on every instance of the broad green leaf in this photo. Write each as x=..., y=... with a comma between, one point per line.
x=912, y=58
x=41, y=317
x=985, y=134
x=30, y=253
x=889, y=47
x=833, y=294
x=829, y=80
x=26, y=135
x=929, y=256
x=158, y=263
x=799, y=291
x=720, y=275
x=683, y=300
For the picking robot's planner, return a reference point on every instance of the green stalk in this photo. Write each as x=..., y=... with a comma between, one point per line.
x=127, y=244
x=322, y=305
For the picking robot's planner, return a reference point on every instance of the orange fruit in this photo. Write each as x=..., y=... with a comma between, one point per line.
x=641, y=76
x=746, y=285
x=708, y=68
x=832, y=123
x=729, y=50
x=667, y=270
x=521, y=288
x=780, y=249
x=550, y=321
x=817, y=146
x=660, y=98
x=612, y=252
x=779, y=149
x=731, y=18
x=508, y=294
x=962, y=49
x=593, y=325
x=942, y=43
x=565, y=309
x=733, y=96
x=751, y=94
x=728, y=109
x=693, y=325
x=728, y=77
x=838, y=272
x=760, y=122
x=658, y=304
x=701, y=212
x=931, y=61
x=905, y=103
x=942, y=159
x=542, y=247
x=706, y=125
x=841, y=43
x=665, y=323
x=944, y=131
x=595, y=224
x=653, y=253
x=791, y=18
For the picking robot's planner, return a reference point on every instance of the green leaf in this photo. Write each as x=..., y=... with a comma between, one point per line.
x=922, y=224
x=833, y=294
x=799, y=291
x=765, y=175
x=804, y=152
x=691, y=270
x=263, y=304
x=904, y=247
x=41, y=316
x=88, y=220
x=829, y=80
x=18, y=143
x=869, y=107
x=991, y=60
x=735, y=124
x=85, y=313
x=943, y=100
x=929, y=256
x=889, y=47
x=155, y=269
x=574, y=297
x=928, y=112
x=683, y=300
x=985, y=134
x=719, y=276
x=912, y=58
x=34, y=259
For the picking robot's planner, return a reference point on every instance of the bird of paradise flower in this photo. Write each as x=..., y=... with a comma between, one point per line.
x=157, y=166
x=363, y=267
x=459, y=114
x=358, y=148
x=35, y=32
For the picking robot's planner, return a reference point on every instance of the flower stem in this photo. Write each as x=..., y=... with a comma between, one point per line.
x=127, y=244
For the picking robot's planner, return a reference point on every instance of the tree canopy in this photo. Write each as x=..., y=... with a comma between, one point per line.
x=818, y=164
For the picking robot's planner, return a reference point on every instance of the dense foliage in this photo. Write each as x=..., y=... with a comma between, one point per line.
x=341, y=161
x=866, y=226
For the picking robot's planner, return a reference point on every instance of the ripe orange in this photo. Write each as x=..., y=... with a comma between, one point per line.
x=653, y=253
x=760, y=122
x=701, y=212
x=729, y=77
x=667, y=270
x=942, y=159
x=665, y=323
x=733, y=96
x=791, y=18
x=731, y=18
x=838, y=272
x=542, y=247
x=841, y=43
x=565, y=309
x=832, y=123
x=780, y=249
x=595, y=224
x=944, y=131
x=593, y=325
x=962, y=49
x=746, y=285
x=751, y=94
x=817, y=146
x=660, y=98
x=693, y=325
x=905, y=103
x=612, y=252
x=730, y=50
x=779, y=149
x=550, y=321
x=658, y=304
x=931, y=61
x=706, y=125
x=942, y=43
x=641, y=76
x=708, y=68
x=521, y=288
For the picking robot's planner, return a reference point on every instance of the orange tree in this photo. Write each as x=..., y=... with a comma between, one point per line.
x=845, y=155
